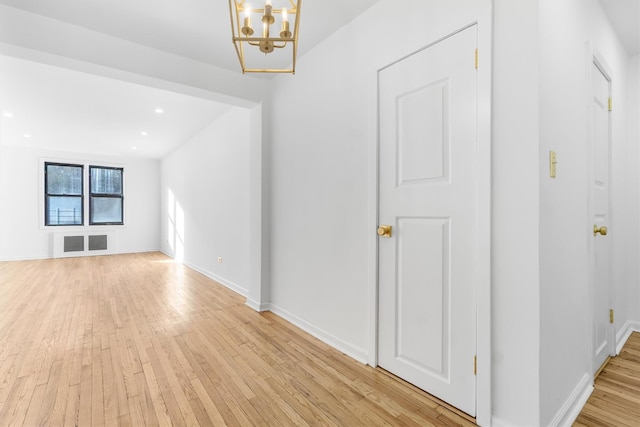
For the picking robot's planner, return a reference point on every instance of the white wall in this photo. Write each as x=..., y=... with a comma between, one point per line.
x=22, y=231
x=626, y=209
x=565, y=227
x=204, y=206
x=630, y=301
x=634, y=141
x=323, y=140
x=322, y=224
x=515, y=236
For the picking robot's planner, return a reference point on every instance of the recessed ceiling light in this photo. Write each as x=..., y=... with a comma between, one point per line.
x=134, y=148
x=27, y=135
x=158, y=111
x=8, y=114
x=143, y=133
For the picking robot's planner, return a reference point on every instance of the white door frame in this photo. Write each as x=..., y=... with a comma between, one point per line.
x=484, y=108
x=595, y=57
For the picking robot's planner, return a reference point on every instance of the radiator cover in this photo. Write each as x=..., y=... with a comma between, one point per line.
x=74, y=243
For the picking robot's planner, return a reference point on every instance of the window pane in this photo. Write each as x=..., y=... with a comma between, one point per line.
x=106, y=210
x=64, y=179
x=106, y=181
x=64, y=210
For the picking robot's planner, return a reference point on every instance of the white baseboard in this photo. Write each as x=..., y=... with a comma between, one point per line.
x=569, y=411
x=29, y=258
x=257, y=306
x=139, y=251
x=169, y=254
x=497, y=422
x=228, y=283
x=574, y=404
x=625, y=332
x=48, y=256
x=354, y=352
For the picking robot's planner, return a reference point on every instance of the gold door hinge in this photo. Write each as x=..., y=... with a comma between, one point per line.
x=610, y=316
x=475, y=365
x=476, y=58
x=610, y=104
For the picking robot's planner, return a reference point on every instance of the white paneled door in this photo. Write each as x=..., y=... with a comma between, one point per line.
x=603, y=345
x=428, y=195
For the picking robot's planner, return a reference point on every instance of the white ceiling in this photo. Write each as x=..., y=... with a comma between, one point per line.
x=68, y=110
x=72, y=111
x=196, y=29
x=624, y=16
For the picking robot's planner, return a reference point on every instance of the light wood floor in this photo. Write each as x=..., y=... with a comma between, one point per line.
x=140, y=340
x=615, y=400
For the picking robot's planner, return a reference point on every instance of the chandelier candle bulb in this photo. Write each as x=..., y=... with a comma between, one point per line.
x=246, y=29
x=268, y=17
x=285, y=32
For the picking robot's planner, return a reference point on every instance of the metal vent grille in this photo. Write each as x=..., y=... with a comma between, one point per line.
x=98, y=242
x=73, y=243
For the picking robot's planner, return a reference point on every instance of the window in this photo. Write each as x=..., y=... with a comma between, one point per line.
x=65, y=187
x=63, y=194
x=105, y=196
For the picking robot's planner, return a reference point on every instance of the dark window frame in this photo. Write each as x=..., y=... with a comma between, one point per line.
x=106, y=195
x=47, y=194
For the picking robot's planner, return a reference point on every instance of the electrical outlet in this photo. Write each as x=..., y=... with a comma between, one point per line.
x=219, y=259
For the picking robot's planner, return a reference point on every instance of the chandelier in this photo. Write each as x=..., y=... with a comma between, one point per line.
x=245, y=39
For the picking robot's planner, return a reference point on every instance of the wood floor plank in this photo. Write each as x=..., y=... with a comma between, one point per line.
x=57, y=412
x=31, y=418
x=97, y=386
x=109, y=394
x=212, y=410
x=140, y=340
x=615, y=400
x=72, y=410
x=144, y=400
x=84, y=415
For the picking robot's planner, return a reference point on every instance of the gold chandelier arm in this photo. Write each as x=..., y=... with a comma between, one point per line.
x=244, y=39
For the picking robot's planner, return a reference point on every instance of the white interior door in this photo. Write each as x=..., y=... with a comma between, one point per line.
x=428, y=192
x=603, y=342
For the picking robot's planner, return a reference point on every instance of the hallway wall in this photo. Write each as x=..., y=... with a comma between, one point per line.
x=323, y=147
x=570, y=30
x=204, y=205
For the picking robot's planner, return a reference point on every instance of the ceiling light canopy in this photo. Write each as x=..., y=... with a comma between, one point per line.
x=286, y=18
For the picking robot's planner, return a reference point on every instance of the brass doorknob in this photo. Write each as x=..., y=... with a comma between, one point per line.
x=384, y=231
x=602, y=230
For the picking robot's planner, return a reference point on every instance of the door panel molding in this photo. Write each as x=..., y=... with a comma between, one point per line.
x=484, y=24
x=484, y=167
